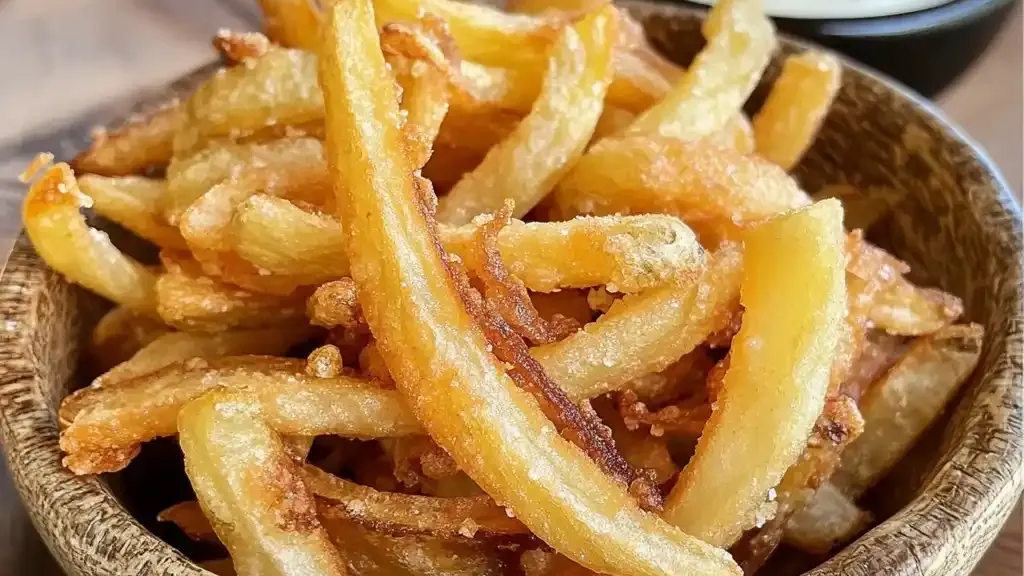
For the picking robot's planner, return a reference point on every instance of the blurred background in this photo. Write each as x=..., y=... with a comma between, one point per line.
x=66, y=65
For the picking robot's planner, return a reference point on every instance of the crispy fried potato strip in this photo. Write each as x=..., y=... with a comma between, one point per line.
x=297, y=163
x=143, y=142
x=909, y=310
x=293, y=402
x=395, y=513
x=831, y=518
x=741, y=40
x=120, y=334
x=629, y=253
x=272, y=91
x=132, y=202
x=291, y=23
x=788, y=122
x=716, y=191
x=189, y=300
x=794, y=295
x=190, y=519
x=53, y=220
x=237, y=47
x=900, y=406
x=255, y=498
x=526, y=166
x=435, y=351
x=334, y=304
x=646, y=332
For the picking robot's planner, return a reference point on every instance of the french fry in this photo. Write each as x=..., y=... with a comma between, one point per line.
x=144, y=142
x=629, y=253
x=132, y=201
x=259, y=506
x=277, y=89
x=452, y=518
x=190, y=519
x=53, y=220
x=613, y=119
x=291, y=23
x=120, y=334
x=789, y=120
x=716, y=191
x=909, y=310
x=188, y=300
x=741, y=40
x=526, y=166
x=830, y=518
x=900, y=406
x=220, y=566
x=599, y=525
x=737, y=134
x=298, y=160
x=483, y=34
x=121, y=417
x=794, y=296
x=640, y=449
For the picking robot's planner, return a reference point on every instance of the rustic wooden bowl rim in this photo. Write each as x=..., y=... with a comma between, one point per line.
x=118, y=544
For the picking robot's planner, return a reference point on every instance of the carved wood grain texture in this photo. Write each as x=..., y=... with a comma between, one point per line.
x=955, y=224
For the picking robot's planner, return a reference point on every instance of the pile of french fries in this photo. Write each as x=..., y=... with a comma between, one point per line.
x=568, y=312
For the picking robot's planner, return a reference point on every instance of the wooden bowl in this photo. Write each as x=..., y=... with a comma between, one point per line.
x=954, y=221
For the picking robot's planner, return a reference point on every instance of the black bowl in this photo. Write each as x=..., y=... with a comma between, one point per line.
x=926, y=49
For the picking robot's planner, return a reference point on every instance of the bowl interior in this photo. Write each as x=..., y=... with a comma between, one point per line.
x=948, y=214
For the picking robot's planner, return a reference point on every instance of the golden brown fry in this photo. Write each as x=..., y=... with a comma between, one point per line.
x=741, y=40
x=120, y=334
x=277, y=89
x=794, y=297
x=179, y=346
x=291, y=23
x=714, y=190
x=629, y=254
x=334, y=304
x=831, y=518
x=396, y=513
x=141, y=143
x=296, y=162
x=646, y=332
x=526, y=166
x=612, y=121
x=435, y=351
x=684, y=377
x=121, y=417
x=83, y=255
x=570, y=303
x=640, y=449
x=237, y=47
x=898, y=408
x=789, y=120
x=220, y=567
x=255, y=498
x=189, y=300
x=132, y=201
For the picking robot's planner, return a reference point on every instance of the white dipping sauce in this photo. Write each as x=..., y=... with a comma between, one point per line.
x=838, y=9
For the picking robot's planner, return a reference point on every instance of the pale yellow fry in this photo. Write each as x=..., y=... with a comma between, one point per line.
x=646, y=332
x=298, y=159
x=786, y=125
x=483, y=34
x=829, y=519
x=741, y=40
x=255, y=497
x=132, y=202
x=629, y=253
x=120, y=334
x=277, y=89
x=526, y=166
x=291, y=23
x=738, y=134
x=716, y=191
x=437, y=354
x=794, y=298
x=900, y=406
x=83, y=255
x=908, y=310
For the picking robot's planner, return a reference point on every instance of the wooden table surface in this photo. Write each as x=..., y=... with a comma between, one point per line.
x=63, y=60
